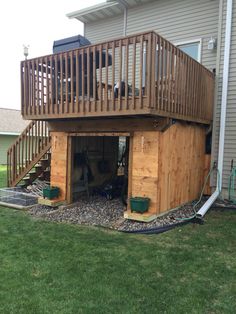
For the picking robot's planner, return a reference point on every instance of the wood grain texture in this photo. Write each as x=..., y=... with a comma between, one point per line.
x=59, y=156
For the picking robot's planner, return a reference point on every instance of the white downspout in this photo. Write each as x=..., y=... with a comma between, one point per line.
x=202, y=211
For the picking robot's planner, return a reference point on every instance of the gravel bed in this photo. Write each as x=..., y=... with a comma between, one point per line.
x=99, y=211
x=41, y=210
x=93, y=211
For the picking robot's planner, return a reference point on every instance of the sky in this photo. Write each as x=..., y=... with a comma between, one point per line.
x=33, y=23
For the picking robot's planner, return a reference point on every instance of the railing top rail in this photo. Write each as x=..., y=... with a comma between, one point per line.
x=92, y=45
x=122, y=38
x=31, y=123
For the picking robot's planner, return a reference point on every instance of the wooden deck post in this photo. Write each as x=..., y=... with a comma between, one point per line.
x=59, y=162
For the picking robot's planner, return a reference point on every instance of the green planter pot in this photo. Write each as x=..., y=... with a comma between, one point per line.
x=139, y=204
x=51, y=192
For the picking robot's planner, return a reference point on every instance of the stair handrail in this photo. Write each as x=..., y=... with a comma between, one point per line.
x=24, y=153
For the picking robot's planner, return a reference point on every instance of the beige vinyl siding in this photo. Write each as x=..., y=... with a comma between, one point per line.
x=230, y=129
x=176, y=20
x=103, y=30
x=5, y=143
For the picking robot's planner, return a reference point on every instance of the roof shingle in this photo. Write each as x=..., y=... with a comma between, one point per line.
x=11, y=121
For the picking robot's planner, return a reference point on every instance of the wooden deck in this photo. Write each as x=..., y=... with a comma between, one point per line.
x=155, y=78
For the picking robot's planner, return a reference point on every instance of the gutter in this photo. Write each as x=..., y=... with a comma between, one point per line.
x=202, y=211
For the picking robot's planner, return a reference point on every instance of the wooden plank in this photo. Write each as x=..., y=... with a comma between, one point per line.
x=72, y=108
x=52, y=81
x=120, y=75
x=153, y=76
x=77, y=80
x=56, y=108
x=66, y=83
x=141, y=73
x=94, y=80
x=100, y=78
x=106, y=79
x=113, y=74
x=134, y=73
x=69, y=171
x=33, y=87
x=61, y=104
x=149, y=69
x=88, y=79
x=127, y=134
x=126, y=73
x=83, y=80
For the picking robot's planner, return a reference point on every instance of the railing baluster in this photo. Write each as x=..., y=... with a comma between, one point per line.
x=162, y=73
x=106, y=78
x=77, y=80
x=100, y=76
x=52, y=80
x=113, y=75
x=66, y=82
x=141, y=73
x=55, y=98
x=88, y=79
x=72, y=109
x=83, y=80
x=94, y=80
x=134, y=73
x=120, y=74
x=61, y=103
x=153, y=82
x=126, y=73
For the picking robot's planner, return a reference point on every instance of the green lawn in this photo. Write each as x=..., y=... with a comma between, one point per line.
x=3, y=176
x=57, y=268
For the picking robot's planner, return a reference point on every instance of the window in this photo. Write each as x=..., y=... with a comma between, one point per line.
x=193, y=49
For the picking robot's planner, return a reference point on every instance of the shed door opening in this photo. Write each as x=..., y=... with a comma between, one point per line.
x=99, y=166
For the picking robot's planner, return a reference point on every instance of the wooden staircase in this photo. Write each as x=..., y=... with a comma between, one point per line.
x=29, y=156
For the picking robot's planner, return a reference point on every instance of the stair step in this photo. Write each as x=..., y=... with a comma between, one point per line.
x=21, y=185
x=38, y=166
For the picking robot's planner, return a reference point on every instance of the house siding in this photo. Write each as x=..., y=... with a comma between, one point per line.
x=177, y=21
x=5, y=143
x=230, y=127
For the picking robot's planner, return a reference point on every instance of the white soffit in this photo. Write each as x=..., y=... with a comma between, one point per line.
x=103, y=10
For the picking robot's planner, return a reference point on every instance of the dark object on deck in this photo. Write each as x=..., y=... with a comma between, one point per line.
x=74, y=42
x=139, y=204
x=51, y=192
x=70, y=43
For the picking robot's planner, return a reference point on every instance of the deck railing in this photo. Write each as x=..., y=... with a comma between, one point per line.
x=139, y=74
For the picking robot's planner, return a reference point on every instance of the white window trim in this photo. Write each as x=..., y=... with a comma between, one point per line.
x=192, y=41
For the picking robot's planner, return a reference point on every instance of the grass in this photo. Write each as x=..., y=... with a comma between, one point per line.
x=59, y=268
x=3, y=176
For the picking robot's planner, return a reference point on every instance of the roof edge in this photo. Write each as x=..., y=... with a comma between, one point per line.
x=94, y=8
